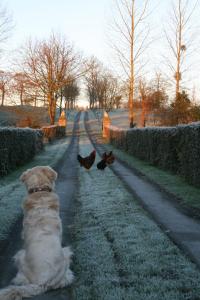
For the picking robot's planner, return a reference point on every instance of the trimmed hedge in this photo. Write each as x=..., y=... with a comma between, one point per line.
x=176, y=149
x=53, y=131
x=18, y=146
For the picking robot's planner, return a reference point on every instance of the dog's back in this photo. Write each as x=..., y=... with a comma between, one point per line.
x=43, y=264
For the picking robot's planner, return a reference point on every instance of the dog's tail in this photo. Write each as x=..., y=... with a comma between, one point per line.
x=14, y=292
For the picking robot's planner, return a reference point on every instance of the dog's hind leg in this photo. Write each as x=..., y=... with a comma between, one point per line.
x=20, y=278
x=67, y=255
x=19, y=258
x=68, y=277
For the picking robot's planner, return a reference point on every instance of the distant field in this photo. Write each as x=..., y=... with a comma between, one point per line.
x=120, y=117
x=23, y=116
x=29, y=116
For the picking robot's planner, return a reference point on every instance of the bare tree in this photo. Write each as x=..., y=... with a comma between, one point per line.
x=48, y=64
x=5, y=78
x=19, y=85
x=70, y=92
x=91, y=77
x=159, y=97
x=145, y=104
x=131, y=42
x=6, y=24
x=102, y=86
x=111, y=92
x=180, y=39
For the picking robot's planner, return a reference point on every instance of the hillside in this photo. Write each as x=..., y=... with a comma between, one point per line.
x=23, y=116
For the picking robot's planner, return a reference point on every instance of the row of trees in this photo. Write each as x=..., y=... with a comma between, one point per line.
x=49, y=70
x=151, y=101
x=49, y=74
x=50, y=65
x=104, y=90
x=131, y=40
x=155, y=108
x=19, y=89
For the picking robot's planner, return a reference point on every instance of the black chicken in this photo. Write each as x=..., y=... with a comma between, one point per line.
x=87, y=161
x=107, y=159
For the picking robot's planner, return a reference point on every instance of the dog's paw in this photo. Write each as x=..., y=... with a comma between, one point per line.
x=20, y=279
x=69, y=277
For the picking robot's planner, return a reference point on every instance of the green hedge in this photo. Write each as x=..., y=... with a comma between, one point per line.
x=53, y=131
x=18, y=146
x=176, y=149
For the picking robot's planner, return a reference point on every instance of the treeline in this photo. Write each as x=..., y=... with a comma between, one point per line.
x=52, y=73
x=157, y=109
x=49, y=72
x=17, y=88
x=152, y=104
x=104, y=90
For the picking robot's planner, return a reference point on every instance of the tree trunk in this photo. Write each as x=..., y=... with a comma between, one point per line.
x=61, y=100
x=35, y=100
x=132, y=78
x=178, y=74
x=2, y=97
x=144, y=113
x=51, y=108
x=21, y=96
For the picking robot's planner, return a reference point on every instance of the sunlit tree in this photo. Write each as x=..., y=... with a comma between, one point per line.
x=103, y=88
x=48, y=64
x=180, y=39
x=5, y=78
x=70, y=93
x=6, y=25
x=131, y=41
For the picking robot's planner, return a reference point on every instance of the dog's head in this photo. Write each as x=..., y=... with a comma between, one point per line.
x=39, y=178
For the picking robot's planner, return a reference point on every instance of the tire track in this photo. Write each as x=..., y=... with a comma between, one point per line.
x=66, y=187
x=123, y=280
x=183, y=230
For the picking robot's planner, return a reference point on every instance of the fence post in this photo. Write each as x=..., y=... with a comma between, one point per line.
x=106, y=125
x=62, y=120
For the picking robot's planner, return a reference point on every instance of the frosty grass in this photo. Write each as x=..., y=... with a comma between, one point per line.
x=188, y=195
x=12, y=191
x=119, y=252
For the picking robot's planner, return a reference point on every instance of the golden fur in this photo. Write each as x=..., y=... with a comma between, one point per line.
x=42, y=264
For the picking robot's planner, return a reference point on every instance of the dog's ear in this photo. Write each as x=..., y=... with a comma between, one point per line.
x=50, y=173
x=24, y=175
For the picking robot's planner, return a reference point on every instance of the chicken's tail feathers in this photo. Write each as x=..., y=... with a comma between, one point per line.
x=15, y=292
x=79, y=158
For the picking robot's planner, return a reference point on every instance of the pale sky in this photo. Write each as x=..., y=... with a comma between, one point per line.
x=82, y=21
x=85, y=23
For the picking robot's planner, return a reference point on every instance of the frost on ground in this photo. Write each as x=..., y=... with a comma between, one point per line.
x=118, y=117
x=12, y=191
x=188, y=195
x=119, y=252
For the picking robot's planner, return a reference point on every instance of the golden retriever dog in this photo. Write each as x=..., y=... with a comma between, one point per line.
x=42, y=264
